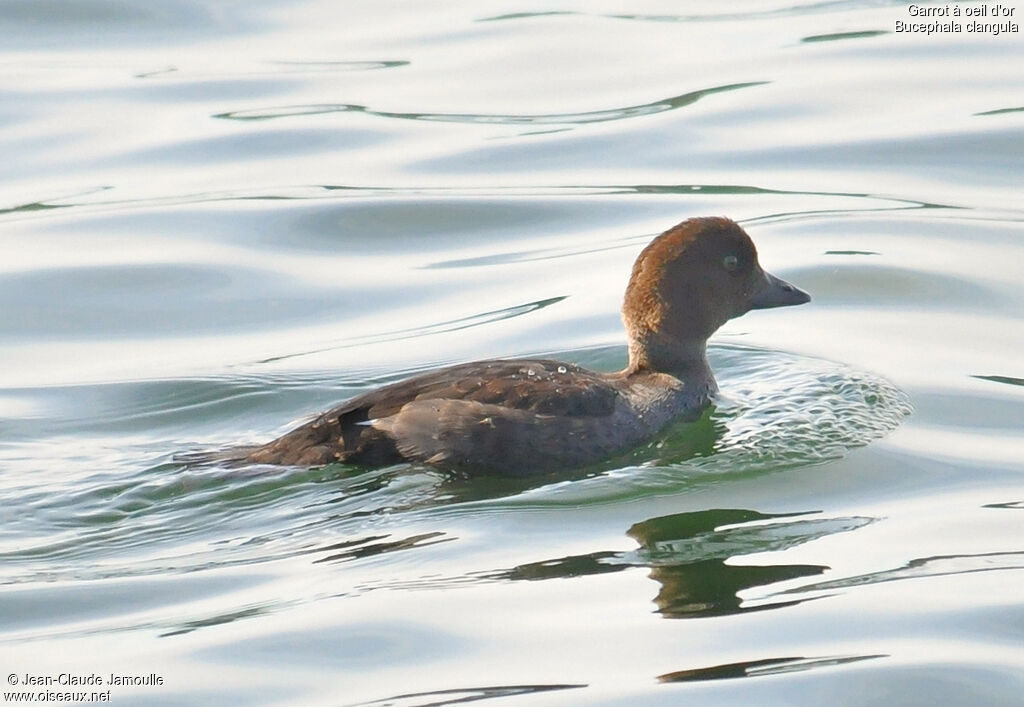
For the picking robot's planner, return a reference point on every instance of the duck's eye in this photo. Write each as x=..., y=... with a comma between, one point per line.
x=730, y=263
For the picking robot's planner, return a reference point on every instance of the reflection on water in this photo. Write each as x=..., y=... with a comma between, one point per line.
x=838, y=36
x=761, y=667
x=1009, y=380
x=925, y=567
x=567, y=119
x=461, y=695
x=689, y=555
x=369, y=546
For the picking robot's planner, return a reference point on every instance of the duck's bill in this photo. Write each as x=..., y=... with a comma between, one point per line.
x=775, y=292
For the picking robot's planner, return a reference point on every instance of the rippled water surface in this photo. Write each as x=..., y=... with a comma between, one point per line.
x=220, y=217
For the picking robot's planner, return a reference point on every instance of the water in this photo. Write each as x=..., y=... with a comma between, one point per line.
x=220, y=217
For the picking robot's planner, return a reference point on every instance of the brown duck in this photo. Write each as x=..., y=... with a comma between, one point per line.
x=528, y=416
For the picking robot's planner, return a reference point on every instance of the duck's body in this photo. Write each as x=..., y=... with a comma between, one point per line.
x=528, y=416
x=508, y=417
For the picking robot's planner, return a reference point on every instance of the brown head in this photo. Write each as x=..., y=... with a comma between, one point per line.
x=687, y=283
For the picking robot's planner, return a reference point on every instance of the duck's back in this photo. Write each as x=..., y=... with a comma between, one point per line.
x=502, y=416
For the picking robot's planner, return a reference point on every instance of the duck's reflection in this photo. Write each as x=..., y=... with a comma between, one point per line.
x=688, y=552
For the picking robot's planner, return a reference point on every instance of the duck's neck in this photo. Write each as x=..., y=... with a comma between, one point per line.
x=685, y=360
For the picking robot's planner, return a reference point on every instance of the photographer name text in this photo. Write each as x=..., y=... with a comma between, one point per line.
x=90, y=680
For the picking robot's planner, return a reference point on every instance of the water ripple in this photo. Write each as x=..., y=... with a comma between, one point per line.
x=776, y=411
x=598, y=116
x=842, y=35
x=414, y=332
x=781, y=412
x=274, y=68
x=796, y=9
x=937, y=566
x=764, y=666
x=461, y=695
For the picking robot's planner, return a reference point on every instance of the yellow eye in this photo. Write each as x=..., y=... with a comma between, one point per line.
x=730, y=263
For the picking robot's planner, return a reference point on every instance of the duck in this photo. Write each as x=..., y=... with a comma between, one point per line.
x=530, y=416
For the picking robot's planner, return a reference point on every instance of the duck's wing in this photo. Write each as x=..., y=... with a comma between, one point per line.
x=470, y=414
x=539, y=385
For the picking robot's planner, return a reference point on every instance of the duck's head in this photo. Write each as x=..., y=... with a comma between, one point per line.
x=687, y=283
